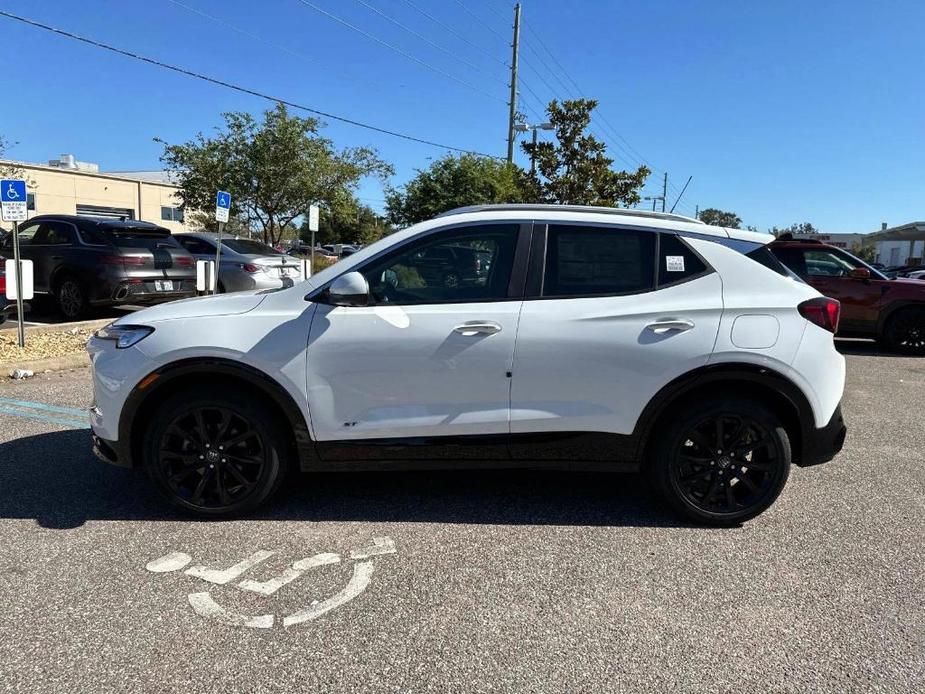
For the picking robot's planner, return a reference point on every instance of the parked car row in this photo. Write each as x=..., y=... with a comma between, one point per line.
x=85, y=262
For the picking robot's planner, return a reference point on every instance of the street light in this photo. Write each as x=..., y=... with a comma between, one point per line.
x=524, y=127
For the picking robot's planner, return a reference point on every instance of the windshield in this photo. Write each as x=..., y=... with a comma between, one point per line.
x=249, y=247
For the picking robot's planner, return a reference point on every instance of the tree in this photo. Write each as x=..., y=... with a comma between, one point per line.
x=576, y=170
x=802, y=229
x=719, y=218
x=235, y=226
x=865, y=251
x=454, y=181
x=10, y=169
x=348, y=222
x=274, y=170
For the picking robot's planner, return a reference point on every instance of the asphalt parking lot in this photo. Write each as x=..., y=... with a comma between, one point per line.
x=464, y=581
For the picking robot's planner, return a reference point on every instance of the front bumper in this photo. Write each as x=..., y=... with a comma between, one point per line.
x=821, y=445
x=110, y=452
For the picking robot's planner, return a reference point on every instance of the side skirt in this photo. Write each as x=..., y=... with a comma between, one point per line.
x=556, y=450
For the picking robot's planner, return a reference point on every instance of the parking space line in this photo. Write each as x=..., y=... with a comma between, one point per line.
x=42, y=406
x=74, y=424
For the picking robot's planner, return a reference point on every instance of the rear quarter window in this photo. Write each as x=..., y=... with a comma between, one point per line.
x=677, y=262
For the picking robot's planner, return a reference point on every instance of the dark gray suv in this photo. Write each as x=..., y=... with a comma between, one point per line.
x=88, y=261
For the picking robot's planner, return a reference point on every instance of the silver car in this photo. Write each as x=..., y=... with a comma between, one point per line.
x=246, y=264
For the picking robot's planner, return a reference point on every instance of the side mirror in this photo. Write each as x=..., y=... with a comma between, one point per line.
x=859, y=273
x=351, y=289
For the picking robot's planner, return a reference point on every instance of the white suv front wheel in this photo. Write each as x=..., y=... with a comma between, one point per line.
x=214, y=455
x=722, y=461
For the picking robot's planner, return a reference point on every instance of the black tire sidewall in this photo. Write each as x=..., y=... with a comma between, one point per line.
x=660, y=466
x=271, y=433
x=890, y=332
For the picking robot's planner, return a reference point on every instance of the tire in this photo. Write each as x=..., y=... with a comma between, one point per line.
x=72, y=298
x=198, y=473
x=725, y=483
x=905, y=331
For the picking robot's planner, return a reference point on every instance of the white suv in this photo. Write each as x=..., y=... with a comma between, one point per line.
x=508, y=336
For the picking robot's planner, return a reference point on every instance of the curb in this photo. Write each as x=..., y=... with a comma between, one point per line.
x=67, y=361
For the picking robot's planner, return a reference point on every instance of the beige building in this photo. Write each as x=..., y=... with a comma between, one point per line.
x=68, y=186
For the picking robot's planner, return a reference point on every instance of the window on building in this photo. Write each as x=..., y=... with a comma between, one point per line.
x=172, y=214
x=30, y=202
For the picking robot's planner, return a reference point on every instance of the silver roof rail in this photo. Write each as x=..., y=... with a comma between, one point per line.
x=530, y=207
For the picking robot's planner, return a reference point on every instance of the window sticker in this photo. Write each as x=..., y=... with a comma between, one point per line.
x=674, y=263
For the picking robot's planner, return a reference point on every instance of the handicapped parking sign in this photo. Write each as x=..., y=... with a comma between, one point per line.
x=13, y=200
x=222, y=205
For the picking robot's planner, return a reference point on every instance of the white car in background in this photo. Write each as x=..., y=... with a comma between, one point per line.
x=596, y=338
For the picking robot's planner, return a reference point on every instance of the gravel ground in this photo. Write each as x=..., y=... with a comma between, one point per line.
x=501, y=581
x=42, y=345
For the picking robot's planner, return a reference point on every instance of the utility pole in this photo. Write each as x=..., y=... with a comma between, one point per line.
x=515, y=48
x=696, y=211
x=664, y=190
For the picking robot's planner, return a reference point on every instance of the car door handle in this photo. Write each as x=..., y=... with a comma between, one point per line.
x=477, y=328
x=660, y=327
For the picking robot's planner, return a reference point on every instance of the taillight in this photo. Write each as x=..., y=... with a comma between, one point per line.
x=250, y=267
x=184, y=260
x=2, y=283
x=823, y=312
x=130, y=260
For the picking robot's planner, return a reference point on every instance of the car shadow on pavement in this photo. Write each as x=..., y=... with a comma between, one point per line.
x=55, y=480
x=865, y=348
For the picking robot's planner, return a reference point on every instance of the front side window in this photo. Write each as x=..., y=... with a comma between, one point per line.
x=26, y=234
x=468, y=264
x=595, y=261
x=52, y=234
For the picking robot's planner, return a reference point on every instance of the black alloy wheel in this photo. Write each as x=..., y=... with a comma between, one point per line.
x=724, y=463
x=72, y=299
x=906, y=331
x=214, y=457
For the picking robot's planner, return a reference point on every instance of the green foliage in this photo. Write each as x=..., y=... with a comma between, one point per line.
x=347, y=222
x=454, y=181
x=719, y=218
x=865, y=251
x=274, y=169
x=576, y=170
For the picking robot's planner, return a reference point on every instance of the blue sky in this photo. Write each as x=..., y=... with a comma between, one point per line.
x=782, y=111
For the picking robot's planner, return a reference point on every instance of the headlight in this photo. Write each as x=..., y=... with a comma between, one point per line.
x=124, y=335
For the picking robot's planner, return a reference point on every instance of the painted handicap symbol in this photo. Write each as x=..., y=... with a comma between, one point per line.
x=205, y=605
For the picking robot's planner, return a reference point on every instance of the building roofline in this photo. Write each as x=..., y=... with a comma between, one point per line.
x=78, y=172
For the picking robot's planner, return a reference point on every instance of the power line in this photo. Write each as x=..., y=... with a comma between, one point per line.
x=455, y=33
x=235, y=87
x=279, y=47
x=400, y=51
x=481, y=21
x=421, y=36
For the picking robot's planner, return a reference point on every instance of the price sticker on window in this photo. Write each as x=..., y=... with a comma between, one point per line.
x=674, y=263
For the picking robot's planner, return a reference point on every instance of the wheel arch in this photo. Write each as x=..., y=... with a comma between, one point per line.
x=772, y=388
x=166, y=380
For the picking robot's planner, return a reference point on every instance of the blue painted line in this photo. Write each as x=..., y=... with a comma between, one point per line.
x=42, y=406
x=45, y=418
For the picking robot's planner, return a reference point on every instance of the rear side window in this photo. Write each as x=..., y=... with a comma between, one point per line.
x=93, y=237
x=592, y=261
x=677, y=261
x=788, y=268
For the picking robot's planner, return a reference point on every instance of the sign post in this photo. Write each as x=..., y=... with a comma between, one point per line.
x=13, y=209
x=313, y=215
x=222, y=209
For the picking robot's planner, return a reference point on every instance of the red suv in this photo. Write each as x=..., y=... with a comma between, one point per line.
x=872, y=305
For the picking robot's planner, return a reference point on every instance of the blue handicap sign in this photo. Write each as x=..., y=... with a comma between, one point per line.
x=12, y=190
x=223, y=199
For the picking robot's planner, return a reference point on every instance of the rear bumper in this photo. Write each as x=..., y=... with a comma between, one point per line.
x=821, y=445
x=145, y=292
